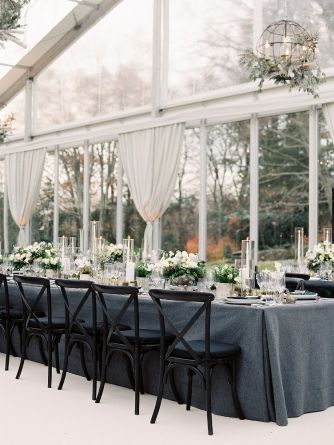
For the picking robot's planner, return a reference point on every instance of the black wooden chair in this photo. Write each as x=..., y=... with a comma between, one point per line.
x=292, y=283
x=324, y=288
x=80, y=332
x=46, y=328
x=199, y=356
x=134, y=343
x=301, y=276
x=9, y=319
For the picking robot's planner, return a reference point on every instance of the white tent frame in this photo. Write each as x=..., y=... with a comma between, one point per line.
x=241, y=102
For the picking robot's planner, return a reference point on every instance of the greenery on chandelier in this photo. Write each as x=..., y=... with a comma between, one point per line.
x=285, y=69
x=10, y=14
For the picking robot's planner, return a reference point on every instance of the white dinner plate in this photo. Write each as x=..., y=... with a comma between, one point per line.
x=243, y=301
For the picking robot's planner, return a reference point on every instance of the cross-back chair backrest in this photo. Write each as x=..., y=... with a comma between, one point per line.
x=3, y=281
x=159, y=295
x=30, y=305
x=111, y=322
x=73, y=309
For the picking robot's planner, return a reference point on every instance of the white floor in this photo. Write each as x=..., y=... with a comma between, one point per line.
x=32, y=414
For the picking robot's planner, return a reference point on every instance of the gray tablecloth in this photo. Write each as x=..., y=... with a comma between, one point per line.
x=286, y=366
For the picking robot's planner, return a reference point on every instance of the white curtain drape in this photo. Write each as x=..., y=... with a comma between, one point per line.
x=151, y=162
x=23, y=181
x=328, y=110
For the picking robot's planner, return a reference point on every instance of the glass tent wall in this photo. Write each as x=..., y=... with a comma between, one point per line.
x=143, y=62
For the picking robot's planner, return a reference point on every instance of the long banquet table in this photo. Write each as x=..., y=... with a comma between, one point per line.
x=286, y=366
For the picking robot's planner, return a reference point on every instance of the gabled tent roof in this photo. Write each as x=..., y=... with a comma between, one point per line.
x=69, y=29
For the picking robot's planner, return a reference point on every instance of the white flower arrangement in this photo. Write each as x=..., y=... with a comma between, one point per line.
x=174, y=265
x=45, y=253
x=110, y=253
x=84, y=265
x=321, y=253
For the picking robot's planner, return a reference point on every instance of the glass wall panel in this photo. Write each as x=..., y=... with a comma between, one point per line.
x=284, y=177
x=71, y=162
x=16, y=108
x=316, y=16
x=2, y=179
x=107, y=70
x=103, y=187
x=326, y=176
x=180, y=221
x=134, y=225
x=227, y=189
x=42, y=219
x=206, y=39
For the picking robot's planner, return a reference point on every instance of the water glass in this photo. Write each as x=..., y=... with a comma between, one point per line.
x=325, y=270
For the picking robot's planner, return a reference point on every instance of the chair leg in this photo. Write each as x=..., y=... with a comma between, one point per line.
x=41, y=351
x=50, y=359
x=208, y=398
x=174, y=389
x=235, y=393
x=190, y=387
x=12, y=349
x=129, y=371
x=23, y=353
x=137, y=378
x=56, y=348
x=7, y=335
x=83, y=361
x=160, y=390
x=94, y=369
x=141, y=374
x=68, y=349
x=103, y=374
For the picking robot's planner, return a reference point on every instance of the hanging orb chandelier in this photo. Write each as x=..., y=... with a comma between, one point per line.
x=286, y=54
x=10, y=14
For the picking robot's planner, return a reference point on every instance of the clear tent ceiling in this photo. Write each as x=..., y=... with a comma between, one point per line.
x=38, y=18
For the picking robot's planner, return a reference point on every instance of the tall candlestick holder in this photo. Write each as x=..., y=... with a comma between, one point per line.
x=248, y=254
x=128, y=259
x=247, y=265
x=128, y=249
x=63, y=243
x=299, y=246
x=95, y=233
x=81, y=240
x=72, y=245
x=327, y=235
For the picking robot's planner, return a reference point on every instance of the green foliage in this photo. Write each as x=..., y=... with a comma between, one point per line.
x=10, y=14
x=283, y=71
x=224, y=273
x=143, y=270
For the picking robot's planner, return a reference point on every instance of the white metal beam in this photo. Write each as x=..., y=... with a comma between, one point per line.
x=257, y=21
x=56, y=196
x=85, y=209
x=254, y=183
x=119, y=202
x=156, y=60
x=202, y=204
x=313, y=176
x=28, y=110
x=5, y=215
x=165, y=52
